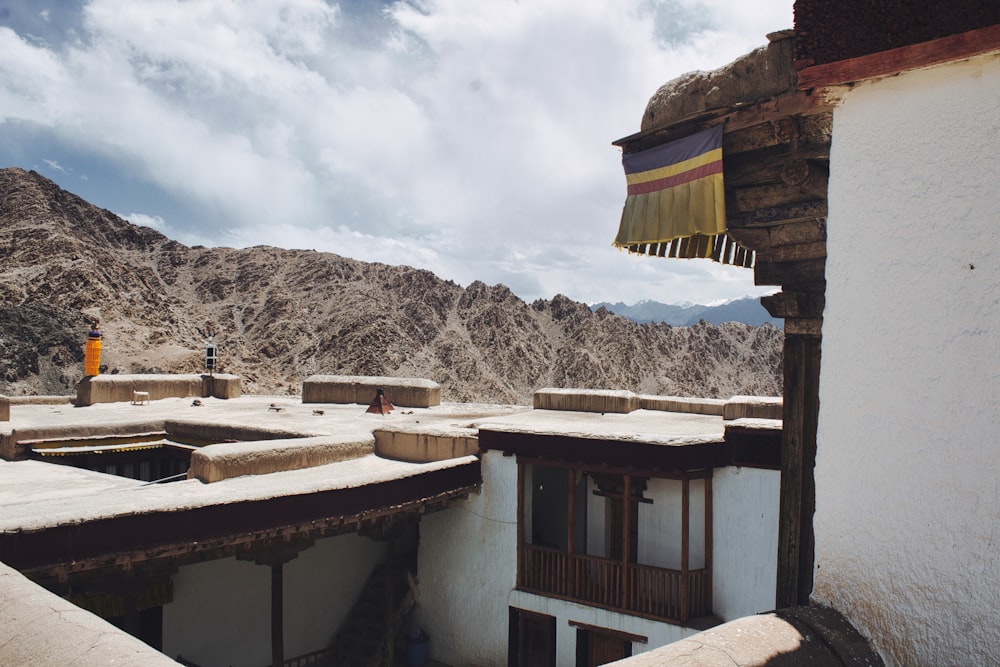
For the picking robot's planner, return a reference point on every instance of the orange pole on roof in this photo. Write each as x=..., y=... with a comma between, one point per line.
x=92, y=353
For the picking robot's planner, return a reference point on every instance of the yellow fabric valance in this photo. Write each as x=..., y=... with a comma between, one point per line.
x=676, y=205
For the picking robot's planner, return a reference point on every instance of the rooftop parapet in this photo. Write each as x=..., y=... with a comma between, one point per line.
x=235, y=459
x=421, y=445
x=793, y=636
x=753, y=407
x=620, y=401
x=585, y=400
x=684, y=404
x=401, y=392
x=121, y=388
x=43, y=629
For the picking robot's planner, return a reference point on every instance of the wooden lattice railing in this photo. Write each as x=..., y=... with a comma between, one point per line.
x=647, y=590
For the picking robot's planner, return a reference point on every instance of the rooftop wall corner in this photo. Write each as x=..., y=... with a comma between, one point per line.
x=585, y=400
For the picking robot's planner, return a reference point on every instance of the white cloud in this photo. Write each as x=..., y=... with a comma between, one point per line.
x=143, y=220
x=53, y=164
x=472, y=139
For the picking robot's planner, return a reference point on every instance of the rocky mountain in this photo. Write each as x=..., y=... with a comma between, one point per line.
x=747, y=310
x=279, y=316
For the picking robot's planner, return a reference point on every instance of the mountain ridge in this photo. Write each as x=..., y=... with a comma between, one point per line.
x=747, y=310
x=281, y=315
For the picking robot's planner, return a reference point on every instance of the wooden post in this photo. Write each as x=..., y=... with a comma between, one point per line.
x=685, y=547
x=390, y=606
x=708, y=541
x=277, y=615
x=520, y=524
x=798, y=459
x=571, y=532
x=626, y=535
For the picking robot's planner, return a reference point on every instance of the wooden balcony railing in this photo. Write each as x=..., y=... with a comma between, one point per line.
x=646, y=590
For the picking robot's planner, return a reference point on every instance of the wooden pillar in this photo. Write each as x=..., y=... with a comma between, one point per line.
x=571, y=530
x=570, y=510
x=521, y=519
x=626, y=536
x=277, y=615
x=798, y=459
x=708, y=540
x=274, y=555
x=390, y=605
x=685, y=547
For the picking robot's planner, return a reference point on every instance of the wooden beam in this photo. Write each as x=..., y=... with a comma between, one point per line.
x=808, y=176
x=793, y=103
x=894, y=61
x=787, y=304
x=748, y=173
x=593, y=452
x=802, y=231
x=770, y=196
x=764, y=166
x=789, y=273
x=195, y=536
x=791, y=242
x=645, y=473
x=627, y=636
x=273, y=551
x=803, y=211
x=811, y=327
x=618, y=496
x=757, y=239
x=780, y=107
x=751, y=138
x=793, y=253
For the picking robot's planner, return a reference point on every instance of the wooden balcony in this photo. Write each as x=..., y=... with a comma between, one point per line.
x=643, y=590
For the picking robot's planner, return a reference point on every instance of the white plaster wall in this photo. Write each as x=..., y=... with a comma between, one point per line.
x=660, y=524
x=321, y=586
x=659, y=634
x=745, y=506
x=907, y=494
x=221, y=614
x=467, y=564
x=467, y=568
x=595, y=521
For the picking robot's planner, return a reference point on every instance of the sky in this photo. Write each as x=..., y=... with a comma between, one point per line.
x=469, y=138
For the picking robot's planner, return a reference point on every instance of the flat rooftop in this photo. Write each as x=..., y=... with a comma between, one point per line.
x=286, y=413
x=58, y=516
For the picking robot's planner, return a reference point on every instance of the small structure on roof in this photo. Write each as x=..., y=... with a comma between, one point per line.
x=380, y=405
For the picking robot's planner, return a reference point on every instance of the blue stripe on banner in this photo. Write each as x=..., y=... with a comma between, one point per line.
x=674, y=151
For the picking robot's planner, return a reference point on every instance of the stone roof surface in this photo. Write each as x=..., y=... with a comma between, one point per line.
x=40, y=628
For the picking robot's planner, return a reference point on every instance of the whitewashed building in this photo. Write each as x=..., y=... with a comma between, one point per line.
x=883, y=239
x=597, y=536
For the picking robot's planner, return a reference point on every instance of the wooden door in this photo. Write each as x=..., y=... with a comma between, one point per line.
x=532, y=639
x=595, y=648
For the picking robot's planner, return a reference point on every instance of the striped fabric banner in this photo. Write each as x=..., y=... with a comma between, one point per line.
x=676, y=203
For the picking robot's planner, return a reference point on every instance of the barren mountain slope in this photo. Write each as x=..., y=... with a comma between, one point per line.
x=279, y=316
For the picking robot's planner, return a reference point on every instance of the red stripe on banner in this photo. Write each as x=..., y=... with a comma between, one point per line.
x=678, y=179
